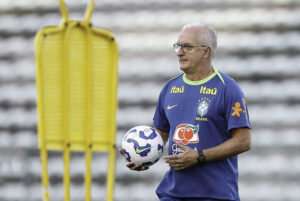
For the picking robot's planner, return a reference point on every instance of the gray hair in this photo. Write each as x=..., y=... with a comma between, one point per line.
x=208, y=35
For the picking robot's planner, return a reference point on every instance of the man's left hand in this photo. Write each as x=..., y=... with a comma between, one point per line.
x=181, y=161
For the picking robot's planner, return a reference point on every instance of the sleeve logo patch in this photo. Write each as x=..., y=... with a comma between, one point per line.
x=237, y=109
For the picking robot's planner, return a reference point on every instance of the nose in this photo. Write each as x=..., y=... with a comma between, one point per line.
x=180, y=52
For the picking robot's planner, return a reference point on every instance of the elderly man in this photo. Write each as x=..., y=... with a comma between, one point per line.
x=203, y=115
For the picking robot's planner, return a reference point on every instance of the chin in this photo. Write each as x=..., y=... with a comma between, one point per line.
x=183, y=65
x=183, y=68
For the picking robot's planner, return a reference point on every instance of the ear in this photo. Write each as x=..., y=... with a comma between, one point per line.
x=207, y=52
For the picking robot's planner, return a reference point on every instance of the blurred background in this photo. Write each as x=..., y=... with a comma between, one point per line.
x=259, y=46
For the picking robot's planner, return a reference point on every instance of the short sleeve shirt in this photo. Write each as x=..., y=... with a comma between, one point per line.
x=200, y=115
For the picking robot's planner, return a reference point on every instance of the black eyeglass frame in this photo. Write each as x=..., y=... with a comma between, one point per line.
x=185, y=47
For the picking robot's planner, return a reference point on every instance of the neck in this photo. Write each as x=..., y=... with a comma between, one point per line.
x=201, y=73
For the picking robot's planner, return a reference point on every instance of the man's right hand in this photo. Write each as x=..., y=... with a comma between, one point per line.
x=132, y=165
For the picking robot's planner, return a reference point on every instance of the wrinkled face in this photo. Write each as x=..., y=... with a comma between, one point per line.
x=193, y=58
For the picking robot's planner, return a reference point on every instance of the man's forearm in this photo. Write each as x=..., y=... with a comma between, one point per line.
x=163, y=134
x=239, y=143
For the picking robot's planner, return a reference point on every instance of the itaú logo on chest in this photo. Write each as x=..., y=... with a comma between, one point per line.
x=176, y=90
x=206, y=90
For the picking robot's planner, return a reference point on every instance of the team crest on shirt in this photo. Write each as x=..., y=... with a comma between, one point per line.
x=202, y=108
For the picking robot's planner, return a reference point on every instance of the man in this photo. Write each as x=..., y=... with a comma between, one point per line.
x=203, y=115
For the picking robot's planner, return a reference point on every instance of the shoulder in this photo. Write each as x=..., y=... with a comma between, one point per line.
x=231, y=87
x=175, y=80
x=229, y=82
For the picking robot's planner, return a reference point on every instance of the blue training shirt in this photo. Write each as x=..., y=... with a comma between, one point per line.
x=200, y=114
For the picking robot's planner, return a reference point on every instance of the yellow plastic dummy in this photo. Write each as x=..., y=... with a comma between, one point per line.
x=76, y=76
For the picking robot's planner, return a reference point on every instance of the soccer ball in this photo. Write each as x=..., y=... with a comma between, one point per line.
x=142, y=145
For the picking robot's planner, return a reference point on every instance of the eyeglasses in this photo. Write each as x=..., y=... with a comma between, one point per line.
x=185, y=47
